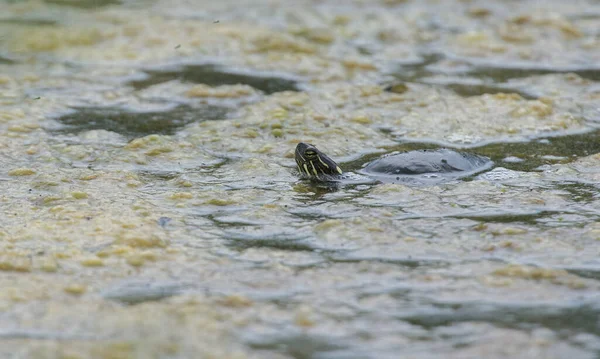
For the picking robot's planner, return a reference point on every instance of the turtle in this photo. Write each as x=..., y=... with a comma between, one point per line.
x=419, y=167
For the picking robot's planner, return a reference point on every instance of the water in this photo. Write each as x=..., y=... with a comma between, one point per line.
x=151, y=206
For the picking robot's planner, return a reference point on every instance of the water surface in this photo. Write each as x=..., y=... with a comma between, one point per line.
x=151, y=206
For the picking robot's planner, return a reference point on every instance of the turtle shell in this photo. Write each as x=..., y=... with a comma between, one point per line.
x=436, y=165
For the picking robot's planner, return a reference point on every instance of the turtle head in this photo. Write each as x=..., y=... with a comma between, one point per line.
x=314, y=163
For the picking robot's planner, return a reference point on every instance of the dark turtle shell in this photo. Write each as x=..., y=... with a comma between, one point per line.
x=426, y=166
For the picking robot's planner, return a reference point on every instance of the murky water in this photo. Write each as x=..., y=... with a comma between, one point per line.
x=151, y=207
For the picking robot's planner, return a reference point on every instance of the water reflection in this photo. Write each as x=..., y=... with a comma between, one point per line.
x=138, y=124
x=214, y=75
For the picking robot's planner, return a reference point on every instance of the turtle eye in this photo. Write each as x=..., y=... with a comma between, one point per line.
x=310, y=153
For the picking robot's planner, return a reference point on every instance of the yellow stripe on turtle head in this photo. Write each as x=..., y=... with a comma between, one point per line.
x=324, y=164
x=314, y=169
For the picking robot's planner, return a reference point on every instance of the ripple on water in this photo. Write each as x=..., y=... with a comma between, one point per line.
x=6, y=61
x=577, y=317
x=533, y=154
x=298, y=344
x=135, y=292
x=478, y=77
x=289, y=241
